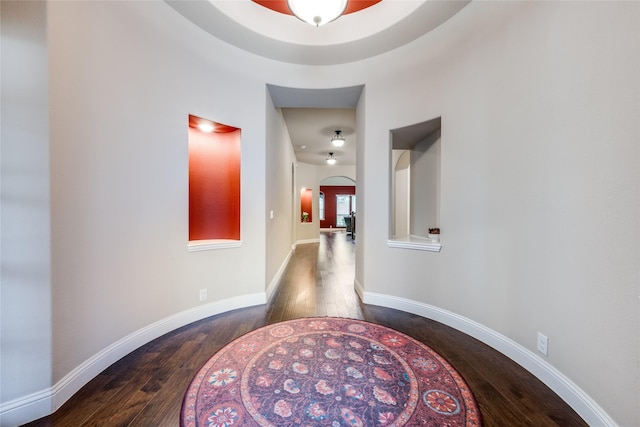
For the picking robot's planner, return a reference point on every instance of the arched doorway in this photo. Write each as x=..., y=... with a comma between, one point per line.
x=337, y=202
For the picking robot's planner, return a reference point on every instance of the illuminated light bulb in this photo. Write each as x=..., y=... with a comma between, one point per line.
x=317, y=12
x=206, y=127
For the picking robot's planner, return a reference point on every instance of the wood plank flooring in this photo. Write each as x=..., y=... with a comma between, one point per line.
x=146, y=387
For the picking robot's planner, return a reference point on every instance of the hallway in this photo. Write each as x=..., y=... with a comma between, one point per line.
x=146, y=387
x=319, y=282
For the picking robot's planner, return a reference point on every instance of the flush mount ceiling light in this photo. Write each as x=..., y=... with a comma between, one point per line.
x=331, y=160
x=317, y=12
x=337, y=139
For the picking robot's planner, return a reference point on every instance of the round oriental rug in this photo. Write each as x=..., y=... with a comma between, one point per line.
x=327, y=372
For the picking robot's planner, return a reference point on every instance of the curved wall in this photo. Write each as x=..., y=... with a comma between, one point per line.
x=25, y=230
x=121, y=90
x=539, y=150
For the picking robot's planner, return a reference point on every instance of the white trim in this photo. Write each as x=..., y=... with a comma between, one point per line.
x=414, y=242
x=25, y=409
x=302, y=242
x=357, y=286
x=275, y=282
x=575, y=397
x=207, y=245
x=37, y=405
x=45, y=402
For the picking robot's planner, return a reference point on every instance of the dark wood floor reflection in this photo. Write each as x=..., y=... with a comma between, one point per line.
x=146, y=387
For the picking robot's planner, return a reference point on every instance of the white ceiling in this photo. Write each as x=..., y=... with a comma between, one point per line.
x=380, y=28
x=313, y=115
x=311, y=130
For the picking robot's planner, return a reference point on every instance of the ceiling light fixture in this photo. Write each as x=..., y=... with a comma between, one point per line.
x=317, y=12
x=338, y=139
x=331, y=160
x=206, y=127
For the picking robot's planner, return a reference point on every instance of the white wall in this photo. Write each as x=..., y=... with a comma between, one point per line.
x=424, y=202
x=121, y=91
x=361, y=194
x=324, y=172
x=280, y=161
x=120, y=88
x=400, y=201
x=539, y=106
x=25, y=275
x=539, y=196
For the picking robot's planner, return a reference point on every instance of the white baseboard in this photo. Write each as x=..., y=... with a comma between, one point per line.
x=37, y=405
x=25, y=409
x=302, y=242
x=575, y=397
x=275, y=282
x=45, y=402
x=357, y=286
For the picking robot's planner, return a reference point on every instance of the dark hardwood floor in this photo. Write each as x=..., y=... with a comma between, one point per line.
x=146, y=387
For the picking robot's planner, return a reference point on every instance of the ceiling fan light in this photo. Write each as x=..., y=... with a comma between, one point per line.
x=331, y=160
x=317, y=12
x=337, y=139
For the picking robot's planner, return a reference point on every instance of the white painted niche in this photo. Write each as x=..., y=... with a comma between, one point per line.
x=415, y=185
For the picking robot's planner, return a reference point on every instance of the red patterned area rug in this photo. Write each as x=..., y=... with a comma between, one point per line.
x=328, y=372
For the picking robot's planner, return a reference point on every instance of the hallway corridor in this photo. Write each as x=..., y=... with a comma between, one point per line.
x=319, y=281
x=146, y=387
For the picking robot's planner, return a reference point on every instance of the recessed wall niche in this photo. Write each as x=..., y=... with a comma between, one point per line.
x=415, y=185
x=306, y=205
x=214, y=182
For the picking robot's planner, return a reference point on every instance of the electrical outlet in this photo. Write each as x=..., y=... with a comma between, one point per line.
x=203, y=294
x=543, y=344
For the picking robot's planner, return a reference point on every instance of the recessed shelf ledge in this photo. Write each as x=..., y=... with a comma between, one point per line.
x=207, y=245
x=415, y=243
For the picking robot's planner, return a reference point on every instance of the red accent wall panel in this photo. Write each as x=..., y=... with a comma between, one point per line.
x=214, y=185
x=281, y=5
x=330, y=192
x=306, y=204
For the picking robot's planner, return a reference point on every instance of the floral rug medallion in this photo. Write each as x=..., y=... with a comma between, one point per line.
x=328, y=372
